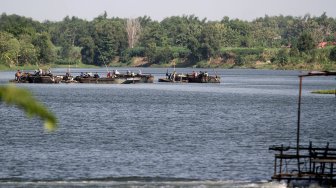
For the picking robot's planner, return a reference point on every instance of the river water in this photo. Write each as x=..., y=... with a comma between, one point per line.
x=163, y=134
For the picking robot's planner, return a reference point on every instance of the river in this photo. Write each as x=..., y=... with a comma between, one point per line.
x=163, y=134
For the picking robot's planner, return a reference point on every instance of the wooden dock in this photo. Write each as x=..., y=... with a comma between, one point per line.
x=316, y=164
x=305, y=163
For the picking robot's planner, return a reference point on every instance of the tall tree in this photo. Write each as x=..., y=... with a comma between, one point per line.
x=332, y=55
x=305, y=42
x=45, y=48
x=133, y=29
x=27, y=50
x=211, y=40
x=9, y=48
x=110, y=39
x=88, y=50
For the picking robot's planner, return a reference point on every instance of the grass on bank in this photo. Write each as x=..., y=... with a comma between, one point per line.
x=331, y=91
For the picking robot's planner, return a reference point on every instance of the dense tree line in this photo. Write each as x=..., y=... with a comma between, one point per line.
x=184, y=40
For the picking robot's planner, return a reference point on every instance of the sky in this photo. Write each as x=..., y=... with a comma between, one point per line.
x=56, y=10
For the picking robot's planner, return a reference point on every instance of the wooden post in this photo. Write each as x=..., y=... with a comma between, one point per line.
x=281, y=155
x=298, y=126
x=275, y=166
x=310, y=156
x=325, y=154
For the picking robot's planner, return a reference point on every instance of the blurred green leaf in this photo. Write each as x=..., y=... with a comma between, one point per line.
x=23, y=99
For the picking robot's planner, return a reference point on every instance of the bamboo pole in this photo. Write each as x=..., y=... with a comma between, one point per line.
x=298, y=125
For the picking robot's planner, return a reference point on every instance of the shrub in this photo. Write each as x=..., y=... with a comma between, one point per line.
x=332, y=55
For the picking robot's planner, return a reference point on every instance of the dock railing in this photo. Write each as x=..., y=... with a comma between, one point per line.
x=313, y=164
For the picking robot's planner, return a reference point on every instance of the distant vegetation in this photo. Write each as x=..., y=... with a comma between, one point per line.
x=277, y=42
x=331, y=91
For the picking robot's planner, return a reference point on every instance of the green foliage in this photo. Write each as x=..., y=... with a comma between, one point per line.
x=18, y=25
x=242, y=56
x=9, y=48
x=24, y=100
x=210, y=40
x=282, y=58
x=294, y=51
x=27, y=52
x=180, y=38
x=110, y=39
x=305, y=42
x=243, y=51
x=180, y=52
x=88, y=50
x=45, y=49
x=136, y=52
x=132, y=52
x=332, y=55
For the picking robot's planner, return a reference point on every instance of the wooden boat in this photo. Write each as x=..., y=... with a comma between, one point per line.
x=117, y=79
x=190, y=78
x=35, y=78
x=68, y=79
x=203, y=79
x=164, y=80
x=100, y=80
x=177, y=79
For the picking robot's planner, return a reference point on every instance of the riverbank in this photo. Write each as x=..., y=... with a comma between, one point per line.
x=203, y=64
x=45, y=67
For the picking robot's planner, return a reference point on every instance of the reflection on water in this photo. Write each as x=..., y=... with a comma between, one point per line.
x=213, y=135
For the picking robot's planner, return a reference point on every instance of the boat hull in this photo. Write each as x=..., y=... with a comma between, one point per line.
x=100, y=80
x=39, y=79
x=204, y=79
x=192, y=79
x=120, y=79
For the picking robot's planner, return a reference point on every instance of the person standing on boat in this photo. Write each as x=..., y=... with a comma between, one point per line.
x=140, y=73
x=205, y=77
x=194, y=74
x=18, y=75
x=173, y=76
x=108, y=74
x=49, y=72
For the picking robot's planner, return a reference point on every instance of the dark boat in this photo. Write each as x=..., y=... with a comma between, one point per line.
x=36, y=78
x=203, y=79
x=105, y=80
x=68, y=79
x=190, y=78
x=46, y=79
x=116, y=79
x=177, y=78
